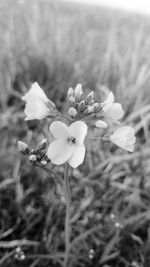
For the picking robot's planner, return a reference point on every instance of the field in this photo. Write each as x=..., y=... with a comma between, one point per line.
x=59, y=45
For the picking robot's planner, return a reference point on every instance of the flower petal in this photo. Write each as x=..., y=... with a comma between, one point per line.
x=36, y=110
x=108, y=102
x=35, y=92
x=124, y=138
x=78, y=156
x=129, y=148
x=124, y=131
x=59, y=130
x=115, y=112
x=78, y=130
x=59, y=151
x=42, y=110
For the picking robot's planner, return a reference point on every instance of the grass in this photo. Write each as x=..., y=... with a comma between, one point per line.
x=60, y=45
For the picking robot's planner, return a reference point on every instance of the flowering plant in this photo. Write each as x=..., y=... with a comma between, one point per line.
x=70, y=131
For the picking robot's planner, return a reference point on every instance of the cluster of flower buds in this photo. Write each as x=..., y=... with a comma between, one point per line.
x=80, y=105
x=117, y=224
x=19, y=254
x=91, y=254
x=36, y=156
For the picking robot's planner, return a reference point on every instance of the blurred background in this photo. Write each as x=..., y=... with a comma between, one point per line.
x=59, y=44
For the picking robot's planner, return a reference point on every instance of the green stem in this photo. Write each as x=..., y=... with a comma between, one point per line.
x=67, y=219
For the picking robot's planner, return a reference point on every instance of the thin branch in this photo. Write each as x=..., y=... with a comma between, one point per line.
x=16, y=243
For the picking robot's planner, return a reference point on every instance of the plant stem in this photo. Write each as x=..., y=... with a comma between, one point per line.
x=67, y=219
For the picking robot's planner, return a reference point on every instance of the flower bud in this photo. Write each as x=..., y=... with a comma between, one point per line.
x=19, y=254
x=90, y=109
x=96, y=105
x=90, y=96
x=118, y=225
x=32, y=158
x=42, y=144
x=23, y=147
x=81, y=106
x=70, y=92
x=72, y=100
x=43, y=163
x=101, y=124
x=78, y=91
x=72, y=112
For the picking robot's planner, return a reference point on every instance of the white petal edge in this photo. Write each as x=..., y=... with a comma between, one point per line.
x=59, y=130
x=124, y=131
x=35, y=92
x=78, y=156
x=115, y=112
x=59, y=152
x=108, y=102
x=129, y=148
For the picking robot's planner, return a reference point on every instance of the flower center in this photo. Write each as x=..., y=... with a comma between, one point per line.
x=71, y=140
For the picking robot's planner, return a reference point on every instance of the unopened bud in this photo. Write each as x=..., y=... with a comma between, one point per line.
x=19, y=255
x=90, y=96
x=43, y=163
x=72, y=100
x=78, y=91
x=101, y=124
x=23, y=147
x=22, y=257
x=96, y=105
x=90, y=109
x=81, y=106
x=18, y=250
x=72, y=112
x=70, y=92
x=112, y=216
x=42, y=144
x=118, y=225
x=91, y=254
x=32, y=158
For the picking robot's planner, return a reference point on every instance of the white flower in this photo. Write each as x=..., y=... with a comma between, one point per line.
x=68, y=146
x=38, y=106
x=124, y=137
x=112, y=110
x=101, y=124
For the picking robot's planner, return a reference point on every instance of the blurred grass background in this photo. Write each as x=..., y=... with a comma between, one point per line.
x=59, y=45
